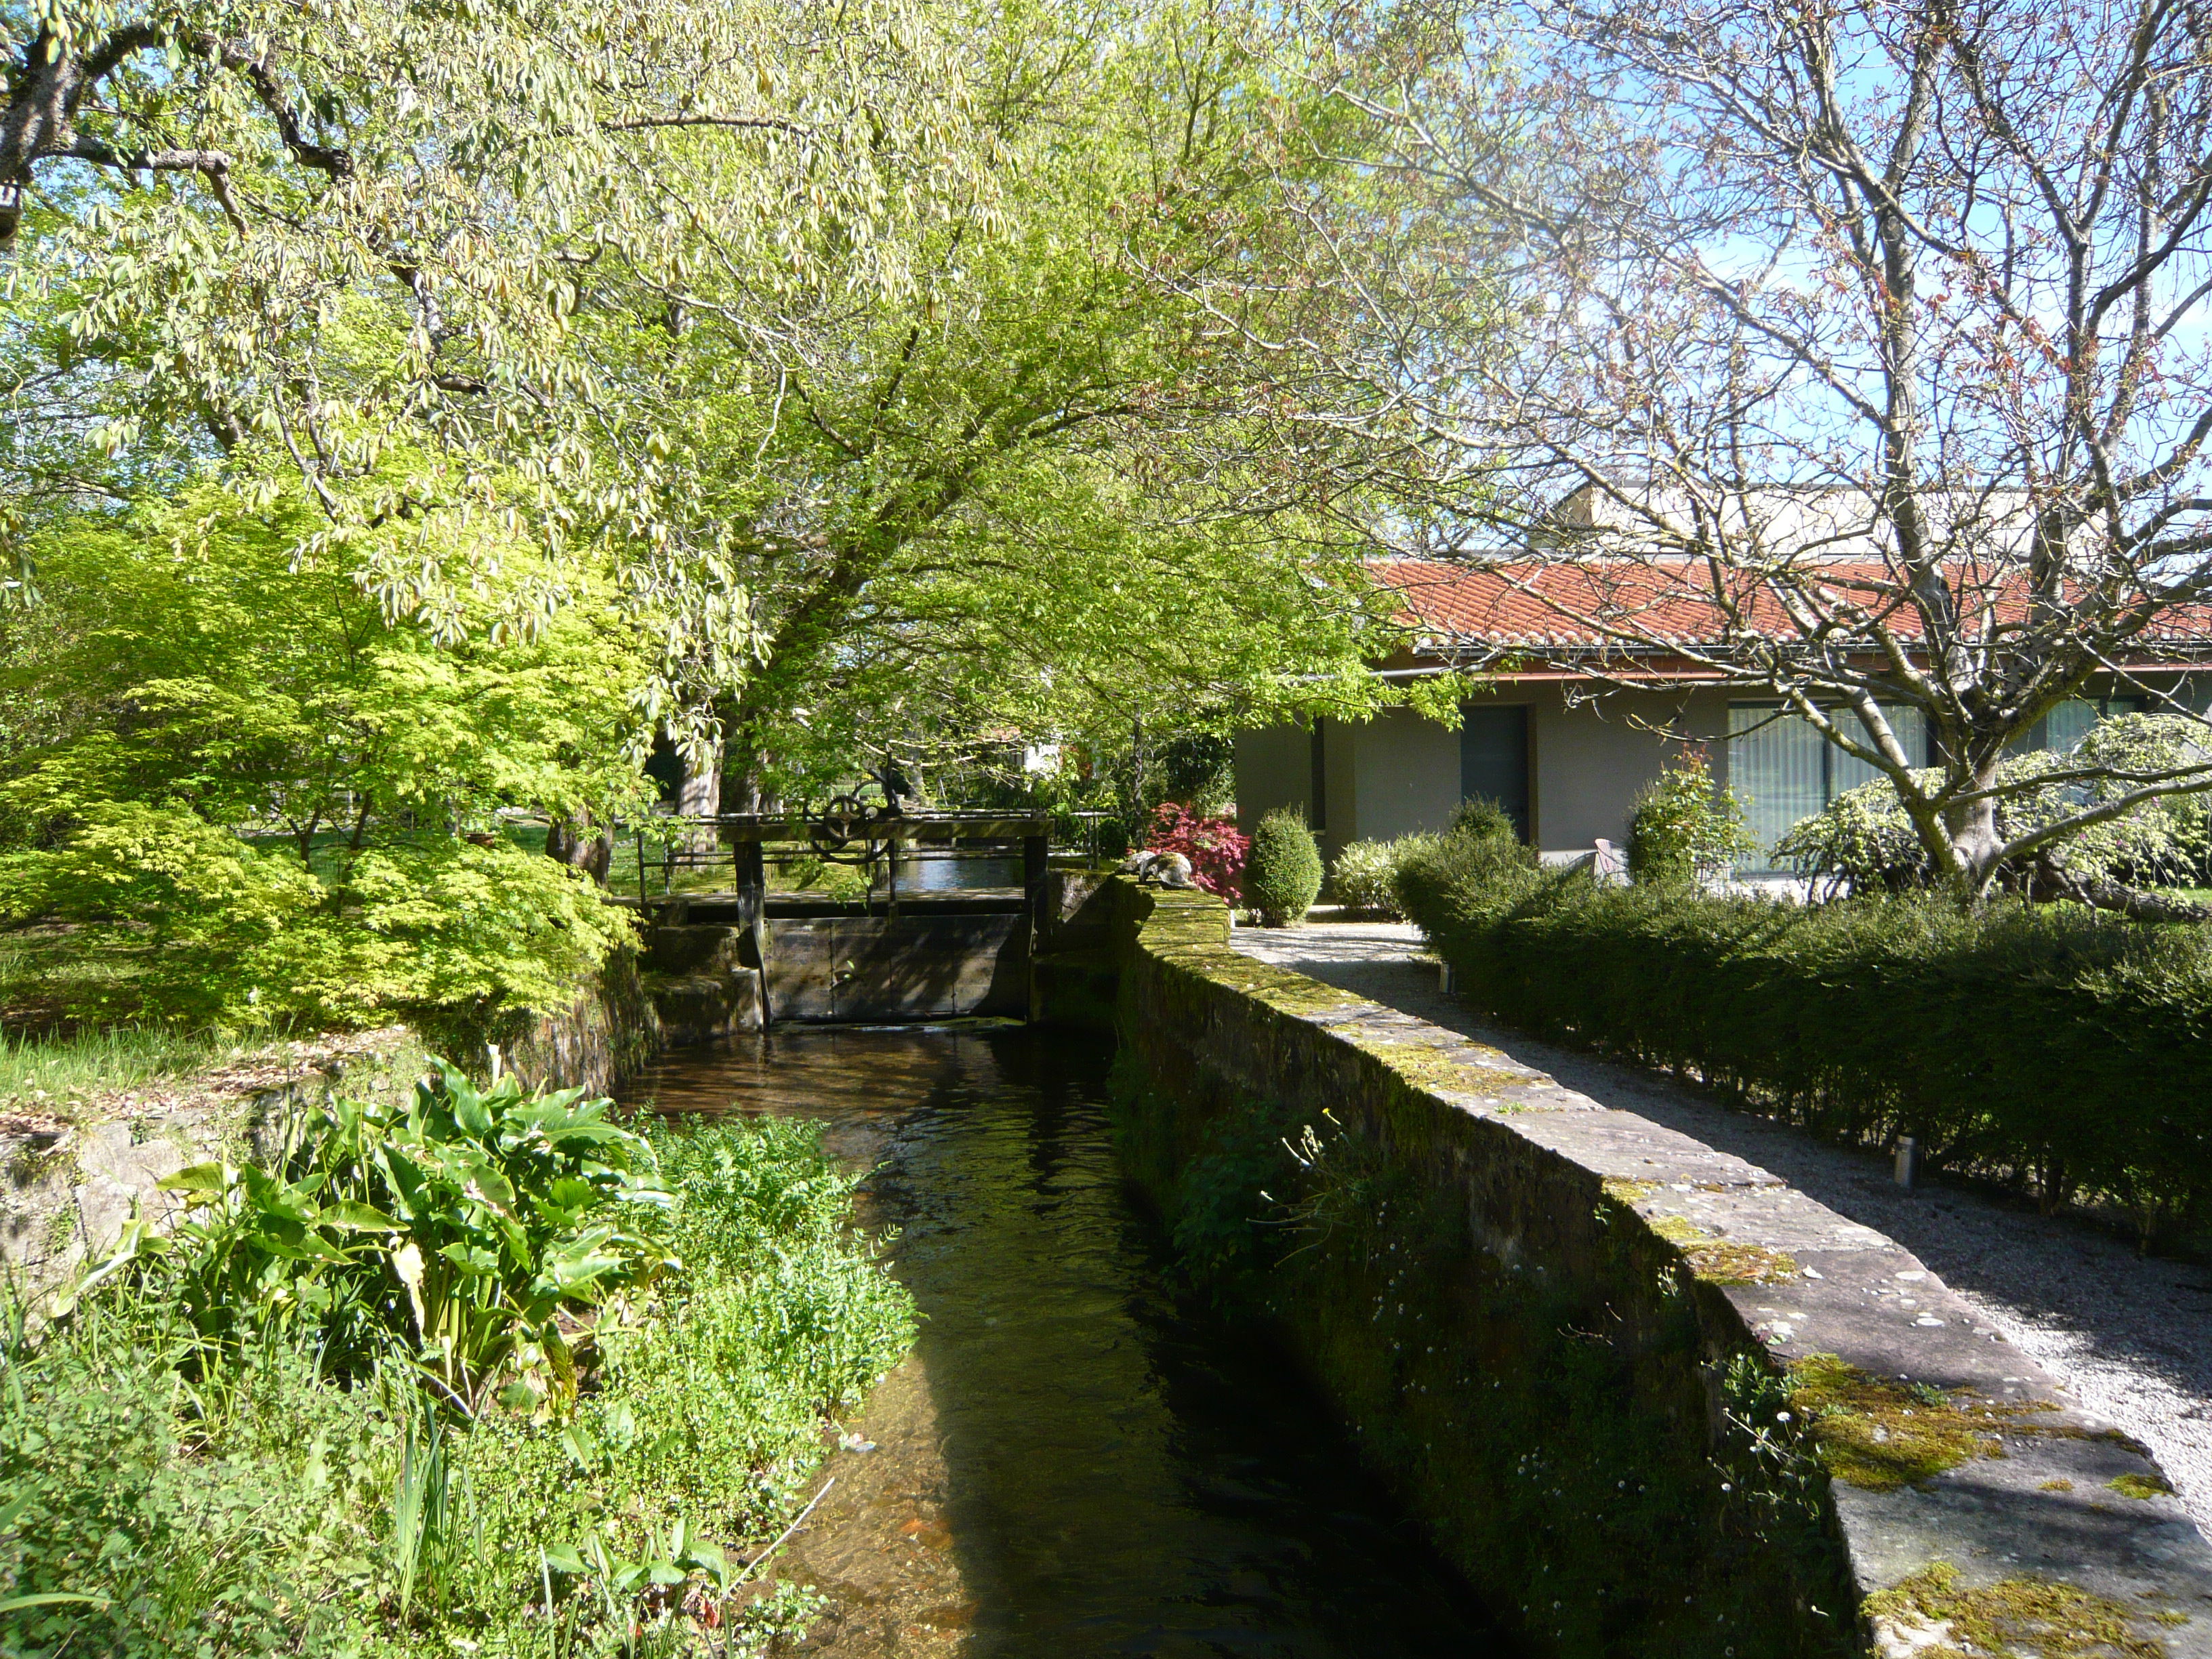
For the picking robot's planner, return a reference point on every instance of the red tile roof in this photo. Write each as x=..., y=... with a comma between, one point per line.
x=1639, y=607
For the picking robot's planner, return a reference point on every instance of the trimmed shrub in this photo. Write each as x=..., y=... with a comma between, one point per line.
x=1282, y=870
x=1682, y=830
x=1460, y=870
x=2045, y=1045
x=1484, y=819
x=1361, y=876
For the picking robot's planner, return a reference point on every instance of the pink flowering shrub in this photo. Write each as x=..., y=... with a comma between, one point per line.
x=1213, y=846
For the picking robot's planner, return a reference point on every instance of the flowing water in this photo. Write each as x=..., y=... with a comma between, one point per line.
x=1073, y=1462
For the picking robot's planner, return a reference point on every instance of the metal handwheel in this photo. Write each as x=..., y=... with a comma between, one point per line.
x=844, y=819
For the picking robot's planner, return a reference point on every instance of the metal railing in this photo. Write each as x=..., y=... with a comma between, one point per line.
x=665, y=855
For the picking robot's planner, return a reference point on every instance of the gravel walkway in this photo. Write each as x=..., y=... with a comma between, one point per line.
x=2130, y=1337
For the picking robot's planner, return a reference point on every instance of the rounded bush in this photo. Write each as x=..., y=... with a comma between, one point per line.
x=1282, y=873
x=1361, y=876
x=1483, y=819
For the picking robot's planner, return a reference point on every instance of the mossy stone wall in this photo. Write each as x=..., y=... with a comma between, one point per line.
x=1579, y=1419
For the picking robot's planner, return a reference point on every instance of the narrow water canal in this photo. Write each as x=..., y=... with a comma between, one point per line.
x=1073, y=1462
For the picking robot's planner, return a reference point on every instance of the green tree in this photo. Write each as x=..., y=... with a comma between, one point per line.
x=238, y=775
x=1684, y=829
x=339, y=235
x=1061, y=483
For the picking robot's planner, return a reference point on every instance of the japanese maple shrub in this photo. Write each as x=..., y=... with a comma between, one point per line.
x=1216, y=848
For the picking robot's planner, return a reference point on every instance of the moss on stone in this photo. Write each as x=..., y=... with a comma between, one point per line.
x=1543, y=1413
x=2025, y=1616
x=1882, y=1435
x=1427, y=1065
x=1294, y=994
x=1718, y=1262
x=2140, y=1486
x=1627, y=1192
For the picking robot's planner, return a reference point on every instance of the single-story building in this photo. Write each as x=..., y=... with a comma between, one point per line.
x=1562, y=749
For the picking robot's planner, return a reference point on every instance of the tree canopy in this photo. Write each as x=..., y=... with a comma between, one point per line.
x=918, y=375
x=1877, y=334
x=1059, y=481
x=338, y=236
x=259, y=799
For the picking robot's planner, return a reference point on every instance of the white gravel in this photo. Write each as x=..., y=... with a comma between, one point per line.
x=2130, y=1337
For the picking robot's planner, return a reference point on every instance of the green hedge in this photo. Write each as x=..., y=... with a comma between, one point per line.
x=2045, y=1045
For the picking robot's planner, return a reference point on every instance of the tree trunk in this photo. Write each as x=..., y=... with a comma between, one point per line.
x=744, y=763
x=581, y=844
x=2051, y=880
x=699, y=794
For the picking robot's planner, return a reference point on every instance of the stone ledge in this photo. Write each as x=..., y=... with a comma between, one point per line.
x=2044, y=1507
x=71, y=1193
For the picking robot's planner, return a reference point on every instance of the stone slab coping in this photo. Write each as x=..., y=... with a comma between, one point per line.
x=2056, y=1497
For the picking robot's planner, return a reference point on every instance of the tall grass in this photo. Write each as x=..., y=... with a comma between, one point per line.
x=62, y=1074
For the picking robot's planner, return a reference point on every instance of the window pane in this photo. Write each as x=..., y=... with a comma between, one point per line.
x=2069, y=723
x=1775, y=768
x=1906, y=722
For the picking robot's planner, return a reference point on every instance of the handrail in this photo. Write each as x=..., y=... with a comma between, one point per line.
x=914, y=826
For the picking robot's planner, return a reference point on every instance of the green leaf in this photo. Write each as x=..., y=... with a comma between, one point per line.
x=52, y=1598
x=471, y=1259
x=198, y=1178
x=350, y=1215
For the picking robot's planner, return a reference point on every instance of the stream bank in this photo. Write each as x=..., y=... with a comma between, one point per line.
x=1644, y=1393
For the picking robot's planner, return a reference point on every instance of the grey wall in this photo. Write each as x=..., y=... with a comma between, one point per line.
x=1531, y=1366
x=1399, y=773
x=1408, y=775
x=1273, y=766
x=1591, y=758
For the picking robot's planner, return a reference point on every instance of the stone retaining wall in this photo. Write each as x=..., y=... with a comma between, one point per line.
x=1652, y=1401
x=607, y=1036
x=70, y=1189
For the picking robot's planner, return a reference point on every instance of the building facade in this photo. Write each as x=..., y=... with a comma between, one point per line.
x=1567, y=752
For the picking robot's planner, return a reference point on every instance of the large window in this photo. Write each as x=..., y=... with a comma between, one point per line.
x=1783, y=770
x=2068, y=723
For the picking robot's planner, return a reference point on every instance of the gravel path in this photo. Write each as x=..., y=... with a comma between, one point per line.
x=2130, y=1337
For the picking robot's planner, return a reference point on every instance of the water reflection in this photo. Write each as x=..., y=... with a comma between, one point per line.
x=942, y=871
x=1120, y=1474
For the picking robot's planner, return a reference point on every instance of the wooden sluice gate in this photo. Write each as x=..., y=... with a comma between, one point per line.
x=748, y=955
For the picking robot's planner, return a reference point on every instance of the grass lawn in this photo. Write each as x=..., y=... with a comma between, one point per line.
x=66, y=1077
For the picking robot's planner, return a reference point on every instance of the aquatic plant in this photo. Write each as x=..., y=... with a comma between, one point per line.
x=461, y=1228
